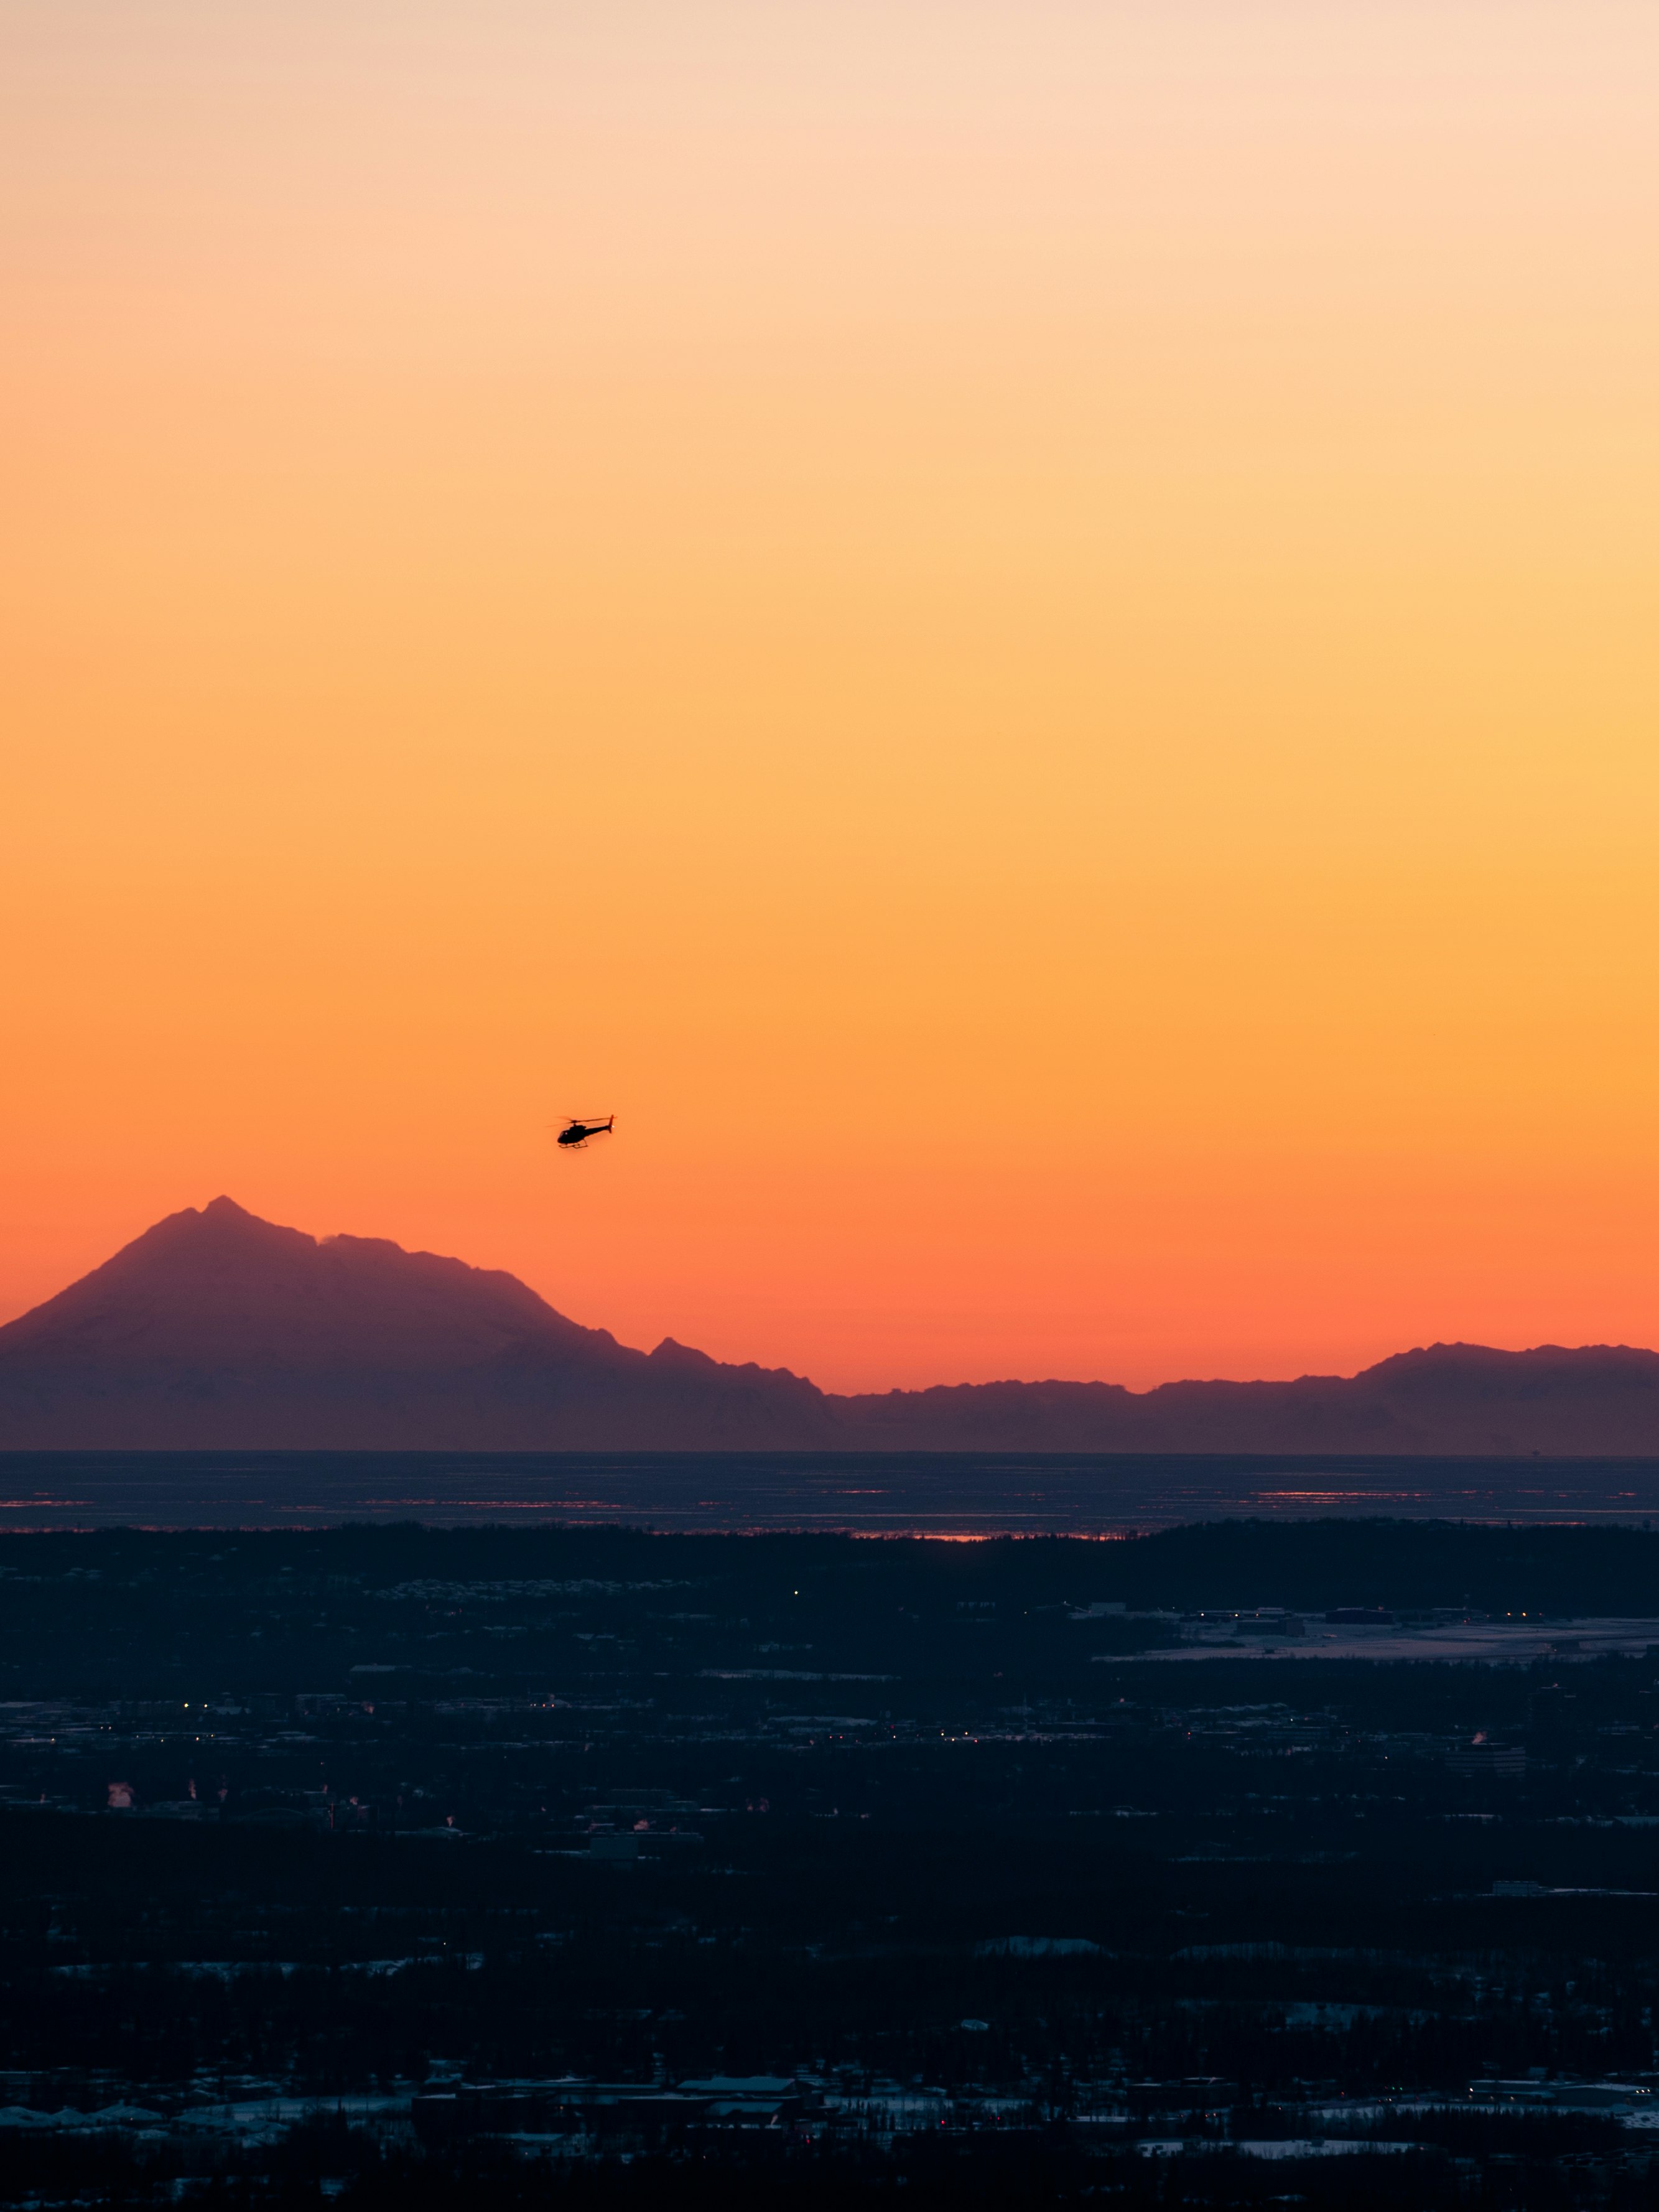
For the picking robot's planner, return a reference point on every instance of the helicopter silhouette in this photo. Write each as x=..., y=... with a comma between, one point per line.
x=574, y=1135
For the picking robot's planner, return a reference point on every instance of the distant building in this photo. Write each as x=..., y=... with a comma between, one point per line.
x=1482, y=1756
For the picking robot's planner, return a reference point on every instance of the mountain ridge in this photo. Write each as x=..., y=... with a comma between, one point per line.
x=215, y=1329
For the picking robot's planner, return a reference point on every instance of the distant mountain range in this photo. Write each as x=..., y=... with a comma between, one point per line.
x=217, y=1330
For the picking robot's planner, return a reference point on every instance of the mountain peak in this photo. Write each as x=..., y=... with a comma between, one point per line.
x=217, y=1329
x=221, y=1288
x=225, y=1209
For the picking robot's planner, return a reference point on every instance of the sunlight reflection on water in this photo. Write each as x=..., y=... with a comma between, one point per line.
x=956, y=1495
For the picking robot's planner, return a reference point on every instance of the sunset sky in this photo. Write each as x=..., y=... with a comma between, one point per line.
x=1026, y=632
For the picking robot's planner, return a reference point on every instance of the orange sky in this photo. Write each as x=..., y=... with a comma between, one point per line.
x=1024, y=632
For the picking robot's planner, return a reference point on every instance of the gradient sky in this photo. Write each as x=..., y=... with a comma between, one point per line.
x=1026, y=631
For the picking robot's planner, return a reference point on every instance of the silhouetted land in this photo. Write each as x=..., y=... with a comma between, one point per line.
x=438, y=1865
